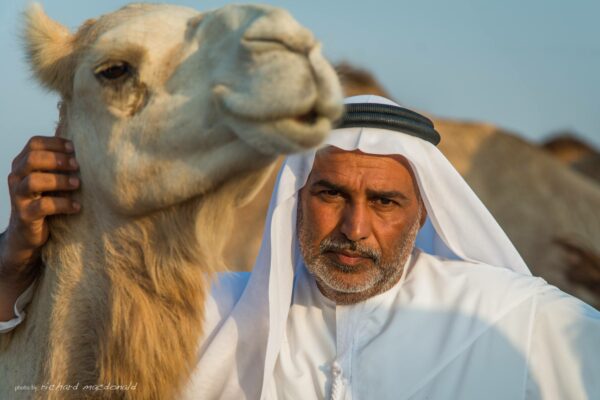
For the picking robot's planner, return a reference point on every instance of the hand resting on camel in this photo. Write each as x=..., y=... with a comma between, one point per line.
x=42, y=177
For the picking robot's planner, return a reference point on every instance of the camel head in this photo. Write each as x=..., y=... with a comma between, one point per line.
x=164, y=103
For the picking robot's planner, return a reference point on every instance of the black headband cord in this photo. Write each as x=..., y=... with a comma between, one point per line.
x=384, y=116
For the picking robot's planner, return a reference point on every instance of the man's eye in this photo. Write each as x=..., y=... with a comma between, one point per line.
x=329, y=194
x=114, y=71
x=384, y=201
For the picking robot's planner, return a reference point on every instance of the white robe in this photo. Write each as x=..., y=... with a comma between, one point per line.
x=447, y=330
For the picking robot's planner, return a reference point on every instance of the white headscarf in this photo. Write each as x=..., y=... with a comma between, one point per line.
x=458, y=226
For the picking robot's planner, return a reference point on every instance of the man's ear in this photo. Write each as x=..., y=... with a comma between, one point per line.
x=50, y=50
x=423, y=214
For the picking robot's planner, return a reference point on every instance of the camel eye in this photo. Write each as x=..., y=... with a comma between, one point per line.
x=114, y=71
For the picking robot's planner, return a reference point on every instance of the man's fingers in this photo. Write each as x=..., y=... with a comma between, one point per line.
x=49, y=143
x=38, y=182
x=49, y=205
x=42, y=160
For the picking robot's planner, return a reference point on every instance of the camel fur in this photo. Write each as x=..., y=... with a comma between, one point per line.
x=176, y=118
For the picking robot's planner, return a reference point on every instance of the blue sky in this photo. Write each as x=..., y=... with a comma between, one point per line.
x=529, y=66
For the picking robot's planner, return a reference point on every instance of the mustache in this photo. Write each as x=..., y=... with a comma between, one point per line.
x=338, y=244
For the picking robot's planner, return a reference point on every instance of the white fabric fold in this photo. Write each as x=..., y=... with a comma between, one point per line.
x=22, y=301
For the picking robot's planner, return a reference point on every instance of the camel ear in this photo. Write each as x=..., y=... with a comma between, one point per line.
x=49, y=47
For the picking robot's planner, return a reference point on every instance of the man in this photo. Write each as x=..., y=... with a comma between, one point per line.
x=382, y=276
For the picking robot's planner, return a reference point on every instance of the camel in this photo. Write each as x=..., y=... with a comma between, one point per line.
x=574, y=152
x=548, y=210
x=538, y=201
x=177, y=117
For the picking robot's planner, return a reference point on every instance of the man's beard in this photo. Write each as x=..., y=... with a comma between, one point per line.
x=380, y=270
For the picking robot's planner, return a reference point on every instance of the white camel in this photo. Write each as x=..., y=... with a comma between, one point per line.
x=176, y=117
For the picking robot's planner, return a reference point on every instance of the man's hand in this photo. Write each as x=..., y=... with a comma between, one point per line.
x=43, y=176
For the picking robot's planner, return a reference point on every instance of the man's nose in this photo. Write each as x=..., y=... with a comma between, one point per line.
x=355, y=223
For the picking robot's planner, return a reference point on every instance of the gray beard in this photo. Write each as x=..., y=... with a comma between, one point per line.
x=383, y=272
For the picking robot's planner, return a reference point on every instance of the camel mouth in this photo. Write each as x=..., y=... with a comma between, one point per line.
x=305, y=110
x=288, y=134
x=277, y=127
x=309, y=118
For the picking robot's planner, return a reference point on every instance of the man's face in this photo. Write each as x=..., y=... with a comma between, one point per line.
x=358, y=217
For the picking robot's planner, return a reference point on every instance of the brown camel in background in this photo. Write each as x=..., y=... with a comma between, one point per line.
x=574, y=152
